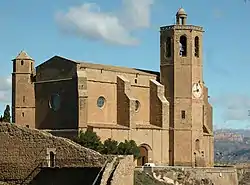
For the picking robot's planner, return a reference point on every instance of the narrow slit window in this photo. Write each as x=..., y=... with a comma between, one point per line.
x=183, y=114
x=23, y=114
x=31, y=67
x=21, y=62
x=52, y=159
x=23, y=99
x=196, y=47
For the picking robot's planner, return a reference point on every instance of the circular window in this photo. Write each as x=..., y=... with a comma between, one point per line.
x=55, y=102
x=100, y=101
x=137, y=105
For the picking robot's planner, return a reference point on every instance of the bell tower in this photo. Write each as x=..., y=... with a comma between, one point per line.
x=181, y=74
x=23, y=92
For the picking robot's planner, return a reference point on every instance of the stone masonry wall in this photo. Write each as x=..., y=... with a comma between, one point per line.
x=25, y=156
x=120, y=171
x=124, y=172
x=125, y=102
x=159, y=106
x=22, y=150
x=82, y=98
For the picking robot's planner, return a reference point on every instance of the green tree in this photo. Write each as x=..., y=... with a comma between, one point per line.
x=89, y=139
x=129, y=148
x=6, y=114
x=110, y=147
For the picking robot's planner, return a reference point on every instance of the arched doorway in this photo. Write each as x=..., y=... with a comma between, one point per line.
x=145, y=154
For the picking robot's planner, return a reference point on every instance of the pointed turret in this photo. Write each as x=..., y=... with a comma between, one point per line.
x=23, y=56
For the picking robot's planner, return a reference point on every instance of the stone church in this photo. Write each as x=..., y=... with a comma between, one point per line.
x=167, y=113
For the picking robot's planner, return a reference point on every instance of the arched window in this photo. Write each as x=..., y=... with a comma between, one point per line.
x=168, y=47
x=183, y=46
x=21, y=62
x=196, y=47
x=137, y=105
x=55, y=102
x=197, y=144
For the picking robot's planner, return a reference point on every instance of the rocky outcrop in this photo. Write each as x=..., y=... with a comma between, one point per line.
x=141, y=178
x=175, y=175
x=244, y=176
x=181, y=177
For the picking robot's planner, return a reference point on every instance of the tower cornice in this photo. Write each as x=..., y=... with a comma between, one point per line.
x=181, y=27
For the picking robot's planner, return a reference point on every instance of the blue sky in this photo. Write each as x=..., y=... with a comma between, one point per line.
x=127, y=34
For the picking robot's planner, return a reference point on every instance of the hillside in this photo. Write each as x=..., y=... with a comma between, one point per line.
x=232, y=146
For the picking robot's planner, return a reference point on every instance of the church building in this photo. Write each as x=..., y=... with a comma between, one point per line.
x=166, y=113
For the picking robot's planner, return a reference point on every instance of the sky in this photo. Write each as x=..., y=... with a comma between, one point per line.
x=126, y=33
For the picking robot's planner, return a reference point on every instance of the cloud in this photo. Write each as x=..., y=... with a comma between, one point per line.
x=5, y=89
x=88, y=21
x=234, y=106
x=136, y=14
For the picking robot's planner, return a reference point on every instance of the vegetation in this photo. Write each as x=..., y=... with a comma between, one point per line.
x=6, y=116
x=90, y=139
x=129, y=148
x=110, y=147
x=231, y=152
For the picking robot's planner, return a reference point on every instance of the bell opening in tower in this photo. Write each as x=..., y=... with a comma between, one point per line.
x=196, y=46
x=182, y=20
x=183, y=46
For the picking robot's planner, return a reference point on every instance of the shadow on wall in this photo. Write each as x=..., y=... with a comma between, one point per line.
x=66, y=176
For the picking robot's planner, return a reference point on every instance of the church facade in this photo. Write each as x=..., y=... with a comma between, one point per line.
x=167, y=113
